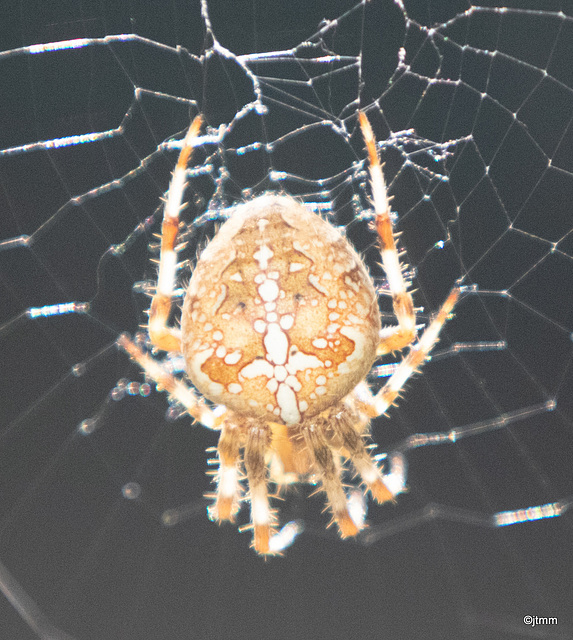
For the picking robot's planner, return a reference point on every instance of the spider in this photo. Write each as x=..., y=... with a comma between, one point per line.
x=280, y=326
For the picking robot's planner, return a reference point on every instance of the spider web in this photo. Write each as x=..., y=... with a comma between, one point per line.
x=103, y=529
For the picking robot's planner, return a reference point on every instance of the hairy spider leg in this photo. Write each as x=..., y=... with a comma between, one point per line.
x=228, y=494
x=161, y=335
x=345, y=431
x=396, y=337
x=175, y=388
x=262, y=517
x=340, y=434
x=415, y=358
x=350, y=443
x=329, y=473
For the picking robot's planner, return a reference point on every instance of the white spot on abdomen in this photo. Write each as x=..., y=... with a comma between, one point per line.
x=276, y=344
x=315, y=282
x=269, y=291
x=300, y=361
x=286, y=399
x=257, y=368
x=260, y=326
x=233, y=358
x=262, y=256
x=220, y=299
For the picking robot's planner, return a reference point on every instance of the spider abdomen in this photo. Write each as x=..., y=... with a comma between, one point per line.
x=280, y=318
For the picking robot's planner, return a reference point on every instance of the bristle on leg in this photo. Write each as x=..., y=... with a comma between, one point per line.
x=258, y=441
x=329, y=475
x=352, y=445
x=416, y=357
x=228, y=485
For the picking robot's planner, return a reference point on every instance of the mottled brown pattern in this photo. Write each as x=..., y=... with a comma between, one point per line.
x=315, y=266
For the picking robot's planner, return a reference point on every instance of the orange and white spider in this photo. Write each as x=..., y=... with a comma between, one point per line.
x=279, y=328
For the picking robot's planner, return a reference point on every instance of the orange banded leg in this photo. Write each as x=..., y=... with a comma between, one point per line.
x=353, y=447
x=329, y=474
x=175, y=388
x=162, y=336
x=258, y=441
x=397, y=337
x=228, y=485
x=416, y=358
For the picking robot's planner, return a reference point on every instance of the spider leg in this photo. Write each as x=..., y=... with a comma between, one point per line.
x=350, y=442
x=228, y=485
x=415, y=358
x=258, y=441
x=396, y=337
x=174, y=387
x=329, y=474
x=162, y=336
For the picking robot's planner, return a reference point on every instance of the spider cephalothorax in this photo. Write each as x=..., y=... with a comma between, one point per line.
x=279, y=329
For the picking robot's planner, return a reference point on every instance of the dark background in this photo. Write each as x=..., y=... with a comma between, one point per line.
x=434, y=566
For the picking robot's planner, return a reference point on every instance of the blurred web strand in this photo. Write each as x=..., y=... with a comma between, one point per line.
x=28, y=608
x=47, y=311
x=57, y=309
x=385, y=370
x=444, y=512
x=483, y=426
x=433, y=511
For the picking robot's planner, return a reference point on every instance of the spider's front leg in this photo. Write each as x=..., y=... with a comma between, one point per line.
x=163, y=336
x=400, y=336
x=397, y=337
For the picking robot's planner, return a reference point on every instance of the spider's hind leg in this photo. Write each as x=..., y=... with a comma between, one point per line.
x=262, y=517
x=228, y=494
x=350, y=442
x=329, y=473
